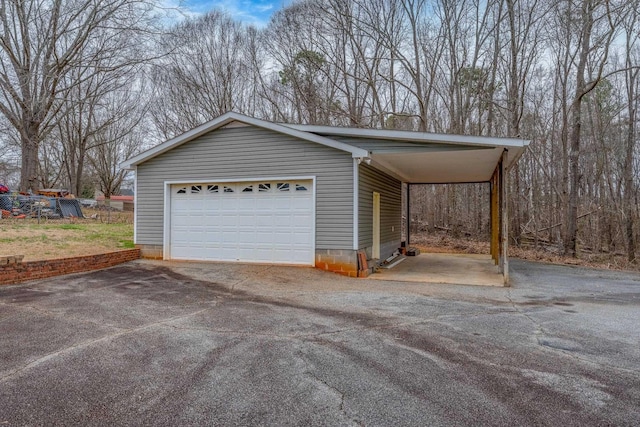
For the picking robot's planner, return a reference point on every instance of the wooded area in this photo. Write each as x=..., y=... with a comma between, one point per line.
x=85, y=84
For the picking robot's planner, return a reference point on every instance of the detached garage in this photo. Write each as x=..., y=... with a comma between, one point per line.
x=239, y=189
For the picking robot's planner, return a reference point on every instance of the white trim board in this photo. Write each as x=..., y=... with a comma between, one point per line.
x=356, y=194
x=135, y=205
x=258, y=178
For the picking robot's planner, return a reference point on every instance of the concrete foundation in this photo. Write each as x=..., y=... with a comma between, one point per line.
x=341, y=261
x=150, y=251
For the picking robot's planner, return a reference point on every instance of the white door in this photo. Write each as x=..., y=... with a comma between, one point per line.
x=262, y=221
x=375, y=250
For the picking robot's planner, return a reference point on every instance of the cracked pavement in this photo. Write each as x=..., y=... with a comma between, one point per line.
x=167, y=343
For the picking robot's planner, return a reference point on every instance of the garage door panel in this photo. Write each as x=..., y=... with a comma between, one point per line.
x=249, y=253
x=271, y=223
x=228, y=220
x=229, y=238
x=300, y=220
x=186, y=205
x=263, y=239
x=194, y=239
x=246, y=202
x=299, y=203
x=224, y=254
x=246, y=238
x=211, y=221
x=213, y=239
x=300, y=239
x=246, y=219
x=266, y=220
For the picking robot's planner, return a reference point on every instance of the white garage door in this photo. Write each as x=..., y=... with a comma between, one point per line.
x=262, y=221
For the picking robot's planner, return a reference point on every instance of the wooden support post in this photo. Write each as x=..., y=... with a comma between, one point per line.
x=408, y=215
x=504, y=207
x=495, y=224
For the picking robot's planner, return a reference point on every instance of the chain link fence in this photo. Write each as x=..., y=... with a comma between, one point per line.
x=39, y=206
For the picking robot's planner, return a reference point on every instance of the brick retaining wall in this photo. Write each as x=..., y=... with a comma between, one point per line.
x=16, y=272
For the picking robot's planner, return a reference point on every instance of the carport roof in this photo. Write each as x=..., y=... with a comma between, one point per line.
x=421, y=157
x=414, y=157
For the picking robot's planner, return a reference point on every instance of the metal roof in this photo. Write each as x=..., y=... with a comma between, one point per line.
x=458, y=158
x=403, y=135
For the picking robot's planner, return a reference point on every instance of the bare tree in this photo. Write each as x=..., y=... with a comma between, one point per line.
x=632, y=83
x=121, y=135
x=87, y=111
x=304, y=73
x=525, y=25
x=597, y=26
x=208, y=73
x=41, y=42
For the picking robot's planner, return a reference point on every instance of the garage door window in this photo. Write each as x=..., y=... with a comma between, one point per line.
x=264, y=187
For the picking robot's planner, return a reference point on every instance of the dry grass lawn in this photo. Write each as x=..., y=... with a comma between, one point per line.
x=63, y=238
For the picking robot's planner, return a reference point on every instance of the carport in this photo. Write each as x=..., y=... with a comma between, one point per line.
x=448, y=159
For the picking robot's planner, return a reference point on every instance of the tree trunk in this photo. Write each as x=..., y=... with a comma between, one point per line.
x=576, y=126
x=576, y=176
x=628, y=179
x=29, y=180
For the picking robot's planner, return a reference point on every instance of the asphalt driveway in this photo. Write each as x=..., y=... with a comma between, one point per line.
x=212, y=344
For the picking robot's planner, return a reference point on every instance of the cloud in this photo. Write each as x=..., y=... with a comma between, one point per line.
x=252, y=12
x=264, y=8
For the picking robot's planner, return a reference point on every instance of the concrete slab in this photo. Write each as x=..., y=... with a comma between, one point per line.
x=458, y=269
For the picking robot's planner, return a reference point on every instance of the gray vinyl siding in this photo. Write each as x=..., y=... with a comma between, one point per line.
x=251, y=152
x=390, y=190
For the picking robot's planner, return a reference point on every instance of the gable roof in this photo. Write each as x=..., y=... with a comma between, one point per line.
x=230, y=117
x=406, y=155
